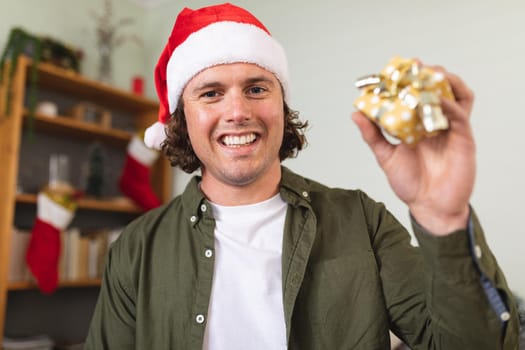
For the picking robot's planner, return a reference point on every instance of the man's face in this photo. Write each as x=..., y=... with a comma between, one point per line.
x=234, y=113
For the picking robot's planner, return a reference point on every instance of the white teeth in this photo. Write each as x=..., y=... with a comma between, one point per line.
x=238, y=140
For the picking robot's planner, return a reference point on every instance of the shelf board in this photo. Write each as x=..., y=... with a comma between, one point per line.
x=26, y=285
x=61, y=125
x=73, y=83
x=119, y=204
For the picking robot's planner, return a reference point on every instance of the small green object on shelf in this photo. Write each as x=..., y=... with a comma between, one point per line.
x=39, y=49
x=95, y=178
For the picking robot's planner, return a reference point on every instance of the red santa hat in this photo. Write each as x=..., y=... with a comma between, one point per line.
x=204, y=38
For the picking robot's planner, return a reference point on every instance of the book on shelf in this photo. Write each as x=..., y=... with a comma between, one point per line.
x=84, y=254
x=93, y=257
x=18, y=270
x=40, y=342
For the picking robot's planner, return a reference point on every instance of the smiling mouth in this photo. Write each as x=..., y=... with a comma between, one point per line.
x=239, y=140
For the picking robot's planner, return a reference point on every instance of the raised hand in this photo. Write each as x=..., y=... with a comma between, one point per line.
x=436, y=177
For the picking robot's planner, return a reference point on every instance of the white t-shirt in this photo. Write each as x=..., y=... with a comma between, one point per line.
x=246, y=306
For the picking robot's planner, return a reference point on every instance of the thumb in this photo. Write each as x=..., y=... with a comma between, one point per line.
x=371, y=134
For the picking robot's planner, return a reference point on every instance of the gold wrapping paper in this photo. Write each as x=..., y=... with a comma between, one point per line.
x=403, y=99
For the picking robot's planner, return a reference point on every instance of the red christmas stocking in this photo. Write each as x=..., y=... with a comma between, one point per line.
x=43, y=252
x=134, y=181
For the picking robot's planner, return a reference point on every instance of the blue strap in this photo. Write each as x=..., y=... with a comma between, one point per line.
x=491, y=291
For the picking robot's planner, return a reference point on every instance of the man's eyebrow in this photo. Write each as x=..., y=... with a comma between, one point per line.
x=258, y=79
x=207, y=85
x=217, y=84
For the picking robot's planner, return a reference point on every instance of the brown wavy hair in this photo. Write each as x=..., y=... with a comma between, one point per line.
x=177, y=146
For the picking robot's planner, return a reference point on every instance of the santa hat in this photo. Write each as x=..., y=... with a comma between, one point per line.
x=204, y=38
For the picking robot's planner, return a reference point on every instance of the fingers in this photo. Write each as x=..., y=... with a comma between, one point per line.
x=369, y=131
x=458, y=117
x=457, y=111
x=463, y=94
x=381, y=148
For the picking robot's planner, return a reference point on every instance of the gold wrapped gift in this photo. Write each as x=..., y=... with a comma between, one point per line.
x=404, y=99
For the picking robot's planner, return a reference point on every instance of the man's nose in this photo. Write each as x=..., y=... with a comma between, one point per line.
x=239, y=108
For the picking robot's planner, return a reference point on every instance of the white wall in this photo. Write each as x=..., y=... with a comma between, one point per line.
x=331, y=43
x=71, y=22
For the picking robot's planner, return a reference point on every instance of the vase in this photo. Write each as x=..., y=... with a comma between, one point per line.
x=105, y=67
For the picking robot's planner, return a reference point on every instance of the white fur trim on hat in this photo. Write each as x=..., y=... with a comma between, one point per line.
x=220, y=43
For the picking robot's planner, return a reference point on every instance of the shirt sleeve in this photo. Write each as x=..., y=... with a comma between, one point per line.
x=435, y=294
x=465, y=256
x=495, y=298
x=113, y=323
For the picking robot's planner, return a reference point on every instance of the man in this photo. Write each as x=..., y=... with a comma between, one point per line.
x=253, y=256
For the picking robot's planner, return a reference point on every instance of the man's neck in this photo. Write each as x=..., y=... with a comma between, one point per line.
x=222, y=193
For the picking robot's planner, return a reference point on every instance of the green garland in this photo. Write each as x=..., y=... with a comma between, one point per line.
x=17, y=43
x=39, y=49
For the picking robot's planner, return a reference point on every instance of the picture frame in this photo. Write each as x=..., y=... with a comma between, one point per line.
x=91, y=113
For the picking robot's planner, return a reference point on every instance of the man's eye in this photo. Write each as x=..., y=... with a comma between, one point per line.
x=256, y=90
x=209, y=94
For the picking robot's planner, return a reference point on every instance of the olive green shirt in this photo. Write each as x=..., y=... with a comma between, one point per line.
x=349, y=274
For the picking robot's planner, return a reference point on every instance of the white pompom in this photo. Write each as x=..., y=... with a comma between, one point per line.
x=155, y=135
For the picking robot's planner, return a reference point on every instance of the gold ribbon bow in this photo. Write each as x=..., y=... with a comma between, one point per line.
x=404, y=99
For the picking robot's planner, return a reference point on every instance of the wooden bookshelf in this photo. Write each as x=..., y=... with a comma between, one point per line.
x=68, y=127
x=120, y=204
x=68, y=87
x=72, y=83
x=26, y=285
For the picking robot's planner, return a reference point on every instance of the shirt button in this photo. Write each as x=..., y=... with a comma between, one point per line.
x=305, y=194
x=477, y=251
x=193, y=218
x=203, y=208
x=208, y=253
x=505, y=316
x=199, y=319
